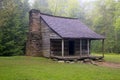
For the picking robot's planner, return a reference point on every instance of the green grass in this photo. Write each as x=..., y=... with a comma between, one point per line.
x=112, y=58
x=36, y=68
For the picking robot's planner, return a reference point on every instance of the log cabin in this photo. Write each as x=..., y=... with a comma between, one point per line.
x=59, y=37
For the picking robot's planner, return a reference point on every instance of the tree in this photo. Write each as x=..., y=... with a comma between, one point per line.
x=66, y=8
x=13, y=28
x=41, y=5
x=117, y=26
x=104, y=16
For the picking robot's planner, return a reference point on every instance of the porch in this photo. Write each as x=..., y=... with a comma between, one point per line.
x=71, y=49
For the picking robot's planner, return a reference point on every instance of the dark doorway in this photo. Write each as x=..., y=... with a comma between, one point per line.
x=71, y=47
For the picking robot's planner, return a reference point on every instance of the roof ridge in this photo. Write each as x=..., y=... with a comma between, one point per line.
x=57, y=16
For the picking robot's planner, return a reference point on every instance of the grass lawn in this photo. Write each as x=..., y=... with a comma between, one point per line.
x=36, y=68
x=112, y=58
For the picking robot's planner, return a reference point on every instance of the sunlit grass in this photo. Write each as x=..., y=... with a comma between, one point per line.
x=110, y=57
x=37, y=68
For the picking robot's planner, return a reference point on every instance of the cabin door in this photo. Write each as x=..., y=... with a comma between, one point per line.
x=71, y=47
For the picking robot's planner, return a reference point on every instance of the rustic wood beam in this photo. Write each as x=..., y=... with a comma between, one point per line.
x=80, y=48
x=62, y=48
x=50, y=48
x=103, y=47
x=88, y=48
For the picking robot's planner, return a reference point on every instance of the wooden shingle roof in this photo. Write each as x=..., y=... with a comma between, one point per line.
x=70, y=27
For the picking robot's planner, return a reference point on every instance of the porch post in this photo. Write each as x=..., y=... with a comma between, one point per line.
x=103, y=47
x=80, y=47
x=62, y=48
x=88, y=48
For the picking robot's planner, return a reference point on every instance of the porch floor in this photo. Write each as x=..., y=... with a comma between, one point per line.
x=71, y=58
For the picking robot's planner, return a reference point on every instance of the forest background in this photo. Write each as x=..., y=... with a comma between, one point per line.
x=102, y=16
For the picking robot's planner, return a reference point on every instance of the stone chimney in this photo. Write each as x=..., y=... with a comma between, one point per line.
x=34, y=41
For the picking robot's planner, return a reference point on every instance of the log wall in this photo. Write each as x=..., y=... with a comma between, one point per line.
x=56, y=47
x=38, y=42
x=47, y=34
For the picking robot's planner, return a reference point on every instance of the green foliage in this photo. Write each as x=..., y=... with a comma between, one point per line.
x=13, y=27
x=57, y=7
x=41, y=5
x=36, y=68
x=105, y=20
x=67, y=8
x=117, y=16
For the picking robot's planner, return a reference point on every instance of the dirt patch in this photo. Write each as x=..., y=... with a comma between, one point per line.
x=108, y=64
